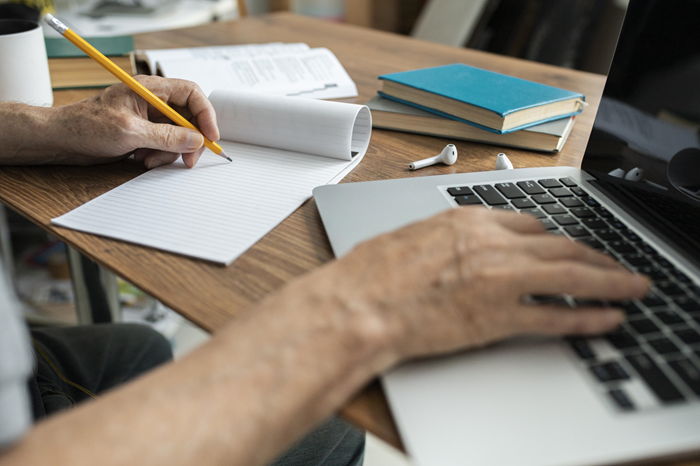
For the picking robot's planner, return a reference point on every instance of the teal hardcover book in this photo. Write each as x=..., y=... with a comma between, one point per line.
x=488, y=100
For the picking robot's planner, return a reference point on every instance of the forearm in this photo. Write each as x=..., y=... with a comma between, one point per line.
x=257, y=387
x=25, y=134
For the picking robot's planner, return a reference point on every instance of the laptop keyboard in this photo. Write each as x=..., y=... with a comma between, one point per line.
x=653, y=359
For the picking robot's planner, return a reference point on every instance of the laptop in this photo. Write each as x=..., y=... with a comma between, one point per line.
x=632, y=394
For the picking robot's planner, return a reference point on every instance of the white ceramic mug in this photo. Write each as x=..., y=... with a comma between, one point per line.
x=24, y=68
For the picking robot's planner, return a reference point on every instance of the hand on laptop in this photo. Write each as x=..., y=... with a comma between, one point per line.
x=110, y=126
x=459, y=280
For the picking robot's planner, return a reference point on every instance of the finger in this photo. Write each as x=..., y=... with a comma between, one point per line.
x=187, y=94
x=552, y=320
x=551, y=247
x=168, y=138
x=140, y=154
x=192, y=158
x=526, y=224
x=157, y=158
x=580, y=280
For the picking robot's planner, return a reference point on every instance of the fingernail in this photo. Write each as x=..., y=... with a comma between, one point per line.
x=195, y=140
x=155, y=162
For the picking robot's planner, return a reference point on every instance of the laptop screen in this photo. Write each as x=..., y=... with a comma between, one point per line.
x=648, y=125
x=646, y=136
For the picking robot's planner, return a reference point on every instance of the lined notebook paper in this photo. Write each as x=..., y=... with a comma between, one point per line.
x=217, y=210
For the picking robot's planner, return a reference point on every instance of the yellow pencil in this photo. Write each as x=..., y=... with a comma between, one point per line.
x=124, y=77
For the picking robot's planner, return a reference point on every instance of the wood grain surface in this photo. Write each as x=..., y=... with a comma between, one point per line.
x=211, y=295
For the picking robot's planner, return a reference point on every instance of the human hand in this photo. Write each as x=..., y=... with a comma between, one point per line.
x=459, y=280
x=117, y=122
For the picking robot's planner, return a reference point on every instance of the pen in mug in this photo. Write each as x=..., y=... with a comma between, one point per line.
x=133, y=84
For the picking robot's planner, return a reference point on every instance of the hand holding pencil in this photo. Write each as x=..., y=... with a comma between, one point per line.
x=187, y=96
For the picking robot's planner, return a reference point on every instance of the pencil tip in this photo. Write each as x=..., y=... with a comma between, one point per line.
x=225, y=155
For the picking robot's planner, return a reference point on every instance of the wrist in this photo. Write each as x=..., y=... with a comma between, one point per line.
x=357, y=318
x=28, y=135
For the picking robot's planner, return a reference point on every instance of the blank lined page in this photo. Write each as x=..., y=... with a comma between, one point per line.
x=218, y=209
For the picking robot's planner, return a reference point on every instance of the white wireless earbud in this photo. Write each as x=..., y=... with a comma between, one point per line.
x=502, y=163
x=636, y=174
x=617, y=173
x=448, y=156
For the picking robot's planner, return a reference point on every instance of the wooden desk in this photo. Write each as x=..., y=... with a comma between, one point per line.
x=211, y=295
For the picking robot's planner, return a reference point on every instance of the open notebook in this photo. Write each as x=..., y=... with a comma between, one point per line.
x=275, y=68
x=282, y=147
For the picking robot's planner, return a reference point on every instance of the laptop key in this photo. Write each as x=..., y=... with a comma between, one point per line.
x=688, y=372
x=571, y=202
x=582, y=212
x=460, y=191
x=524, y=203
x=595, y=223
x=603, y=212
x=621, y=339
x=670, y=289
x=530, y=187
x=565, y=220
x=688, y=335
x=577, y=231
x=621, y=400
x=631, y=236
x=621, y=247
x=590, y=202
x=669, y=317
x=645, y=248
x=680, y=276
x=632, y=309
x=664, y=263
x=537, y=213
x=582, y=348
x=637, y=260
x=644, y=326
x=655, y=378
x=568, y=182
x=489, y=194
x=592, y=243
x=554, y=209
x=687, y=304
x=616, y=224
x=471, y=199
x=609, y=372
x=543, y=199
x=510, y=191
x=503, y=207
x=664, y=346
x=607, y=235
x=652, y=272
x=560, y=192
x=579, y=192
x=549, y=224
x=550, y=183
x=653, y=300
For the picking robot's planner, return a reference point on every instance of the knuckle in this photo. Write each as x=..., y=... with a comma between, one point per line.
x=171, y=139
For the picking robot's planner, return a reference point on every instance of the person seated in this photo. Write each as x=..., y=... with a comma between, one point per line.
x=450, y=283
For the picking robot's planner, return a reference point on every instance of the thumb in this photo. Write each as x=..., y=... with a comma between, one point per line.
x=171, y=138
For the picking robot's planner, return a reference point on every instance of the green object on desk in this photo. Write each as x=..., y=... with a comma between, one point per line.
x=58, y=47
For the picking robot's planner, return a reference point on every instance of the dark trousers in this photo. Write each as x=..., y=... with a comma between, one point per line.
x=100, y=357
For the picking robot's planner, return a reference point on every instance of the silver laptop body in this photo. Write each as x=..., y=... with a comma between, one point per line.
x=627, y=396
